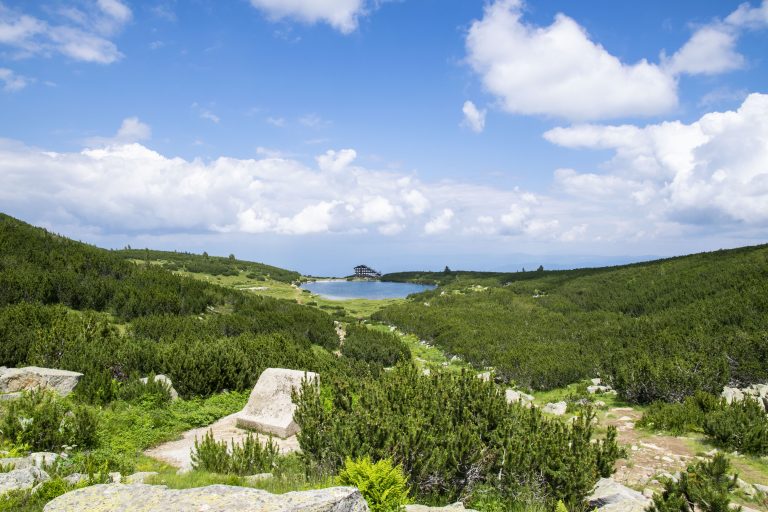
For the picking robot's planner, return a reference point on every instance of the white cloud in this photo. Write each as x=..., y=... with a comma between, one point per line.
x=80, y=35
x=440, y=223
x=210, y=116
x=11, y=81
x=343, y=15
x=131, y=130
x=711, y=172
x=336, y=161
x=749, y=17
x=473, y=118
x=712, y=48
x=559, y=71
x=416, y=201
x=378, y=209
x=710, y=51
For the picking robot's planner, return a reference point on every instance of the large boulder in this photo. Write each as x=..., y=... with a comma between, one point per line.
x=214, y=498
x=270, y=409
x=20, y=479
x=556, y=408
x=165, y=381
x=13, y=380
x=611, y=496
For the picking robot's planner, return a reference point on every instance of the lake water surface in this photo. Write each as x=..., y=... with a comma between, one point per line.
x=375, y=290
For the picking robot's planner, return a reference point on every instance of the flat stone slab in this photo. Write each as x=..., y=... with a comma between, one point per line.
x=14, y=380
x=179, y=453
x=214, y=498
x=611, y=496
x=270, y=408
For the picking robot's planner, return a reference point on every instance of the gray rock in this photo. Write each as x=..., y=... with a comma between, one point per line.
x=16, y=462
x=598, y=389
x=75, y=478
x=556, y=408
x=485, y=376
x=42, y=459
x=13, y=380
x=514, y=396
x=168, y=384
x=10, y=396
x=611, y=496
x=116, y=477
x=732, y=395
x=761, y=488
x=746, y=488
x=270, y=408
x=20, y=479
x=455, y=507
x=596, y=382
x=214, y=498
x=141, y=477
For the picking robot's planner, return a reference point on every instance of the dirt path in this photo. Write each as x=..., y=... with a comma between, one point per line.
x=178, y=453
x=649, y=455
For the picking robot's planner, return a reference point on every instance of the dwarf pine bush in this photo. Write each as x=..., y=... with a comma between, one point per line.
x=702, y=487
x=46, y=422
x=383, y=485
x=248, y=458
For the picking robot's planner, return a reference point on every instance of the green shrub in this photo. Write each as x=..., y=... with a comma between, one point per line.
x=383, y=485
x=152, y=392
x=679, y=418
x=703, y=487
x=451, y=432
x=741, y=426
x=34, y=501
x=46, y=422
x=374, y=346
x=248, y=458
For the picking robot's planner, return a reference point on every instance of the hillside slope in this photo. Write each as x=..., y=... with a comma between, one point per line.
x=657, y=330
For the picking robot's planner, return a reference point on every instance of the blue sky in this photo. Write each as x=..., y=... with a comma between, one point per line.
x=318, y=134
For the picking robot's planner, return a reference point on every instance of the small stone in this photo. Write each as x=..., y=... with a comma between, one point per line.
x=556, y=408
x=260, y=477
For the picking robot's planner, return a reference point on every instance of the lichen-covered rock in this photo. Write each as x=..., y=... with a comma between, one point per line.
x=214, y=498
x=556, y=408
x=166, y=381
x=20, y=479
x=13, y=380
x=611, y=496
x=270, y=408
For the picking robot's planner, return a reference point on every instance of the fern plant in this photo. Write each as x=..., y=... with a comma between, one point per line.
x=383, y=485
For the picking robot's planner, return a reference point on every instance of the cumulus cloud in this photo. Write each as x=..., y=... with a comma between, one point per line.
x=336, y=161
x=440, y=222
x=12, y=82
x=119, y=185
x=343, y=15
x=559, y=71
x=713, y=171
x=711, y=50
x=79, y=33
x=131, y=130
x=473, y=117
x=712, y=47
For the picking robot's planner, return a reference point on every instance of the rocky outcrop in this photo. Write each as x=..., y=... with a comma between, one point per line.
x=166, y=382
x=556, y=408
x=214, y=498
x=611, y=496
x=21, y=479
x=270, y=408
x=758, y=392
x=14, y=380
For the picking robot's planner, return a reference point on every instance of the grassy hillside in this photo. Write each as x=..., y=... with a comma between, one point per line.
x=211, y=265
x=657, y=330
